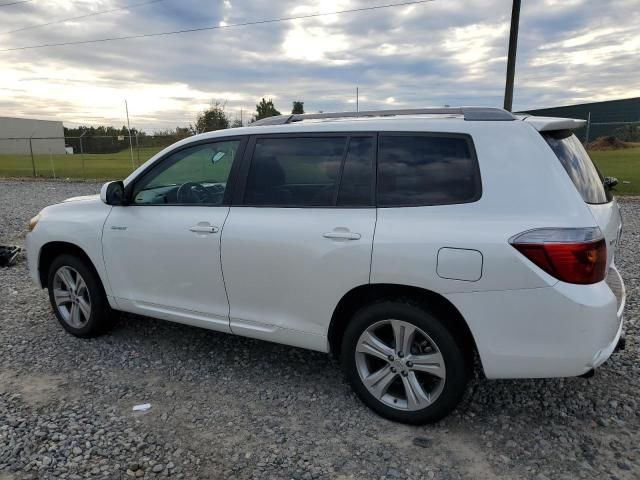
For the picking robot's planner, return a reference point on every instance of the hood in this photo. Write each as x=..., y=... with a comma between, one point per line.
x=82, y=198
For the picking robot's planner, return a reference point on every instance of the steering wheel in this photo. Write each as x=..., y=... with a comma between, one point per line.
x=191, y=192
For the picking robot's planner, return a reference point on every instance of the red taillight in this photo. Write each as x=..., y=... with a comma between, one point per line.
x=573, y=255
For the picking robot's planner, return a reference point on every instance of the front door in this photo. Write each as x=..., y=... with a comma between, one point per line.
x=162, y=252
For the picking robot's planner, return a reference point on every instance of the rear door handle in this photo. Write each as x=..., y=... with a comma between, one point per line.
x=342, y=235
x=200, y=228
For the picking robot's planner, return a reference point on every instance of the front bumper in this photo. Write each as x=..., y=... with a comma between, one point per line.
x=33, y=252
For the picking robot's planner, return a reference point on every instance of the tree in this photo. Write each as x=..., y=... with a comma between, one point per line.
x=298, y=107
x=265, y=109
x=237, y=123
x=213, y=118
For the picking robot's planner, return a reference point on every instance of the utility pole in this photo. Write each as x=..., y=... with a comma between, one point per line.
x=357, y=100
x=511, y=58
x=82, y=154
x=33, y=163
x=133, y=167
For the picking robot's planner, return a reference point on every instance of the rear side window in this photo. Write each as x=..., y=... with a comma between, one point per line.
x=295, y=171
x=429, y=169
x=576, y=161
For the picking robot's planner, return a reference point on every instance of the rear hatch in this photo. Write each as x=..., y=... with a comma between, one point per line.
x=590, y=184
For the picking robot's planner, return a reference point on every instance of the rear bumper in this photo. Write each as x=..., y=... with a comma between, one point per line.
x=616, y=284
x=559, y=331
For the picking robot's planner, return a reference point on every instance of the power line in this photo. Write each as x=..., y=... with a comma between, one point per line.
x=217, y=27
x=14, y=3
x=29, y=27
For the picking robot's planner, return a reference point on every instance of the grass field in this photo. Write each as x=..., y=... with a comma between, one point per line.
x=105, y=166
x=623, y=164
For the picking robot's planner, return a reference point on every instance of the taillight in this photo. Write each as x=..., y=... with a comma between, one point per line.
x=573, y=255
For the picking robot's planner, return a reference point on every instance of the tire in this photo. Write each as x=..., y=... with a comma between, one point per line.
x=416, y=387
x=71, y=281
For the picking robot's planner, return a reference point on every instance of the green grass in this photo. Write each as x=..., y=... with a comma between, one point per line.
x=106, y=166
x=623, y=164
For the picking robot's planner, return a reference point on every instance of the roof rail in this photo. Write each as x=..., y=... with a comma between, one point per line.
x=469, y=113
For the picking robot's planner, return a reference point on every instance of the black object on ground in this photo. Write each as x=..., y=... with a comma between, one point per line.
x=8, y=255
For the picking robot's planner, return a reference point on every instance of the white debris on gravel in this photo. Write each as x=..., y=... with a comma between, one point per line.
x=229, y=407
x=143, y=407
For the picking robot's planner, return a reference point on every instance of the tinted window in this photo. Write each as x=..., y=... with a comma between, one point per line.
x=576, y=161
x=357, y=174
x=195, y=175
x=295, y=171
x=426, y=170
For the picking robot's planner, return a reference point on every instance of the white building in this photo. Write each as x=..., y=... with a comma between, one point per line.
x=47, y=136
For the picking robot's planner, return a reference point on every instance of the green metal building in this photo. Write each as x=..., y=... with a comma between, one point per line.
x=606, y=117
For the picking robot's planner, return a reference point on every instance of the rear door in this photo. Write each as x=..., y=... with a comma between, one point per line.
x=299, y=235
x=589, y=183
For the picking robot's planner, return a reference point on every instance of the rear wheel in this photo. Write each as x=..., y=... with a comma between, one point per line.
x=403, y=363
x=77, y=297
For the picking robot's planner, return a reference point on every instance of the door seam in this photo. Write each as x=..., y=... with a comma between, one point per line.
x=373, y=238
x=224, y=283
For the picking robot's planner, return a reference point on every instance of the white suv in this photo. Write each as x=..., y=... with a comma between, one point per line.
x=407, y=243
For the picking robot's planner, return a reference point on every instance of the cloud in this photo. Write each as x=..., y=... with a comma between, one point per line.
x=442, y=52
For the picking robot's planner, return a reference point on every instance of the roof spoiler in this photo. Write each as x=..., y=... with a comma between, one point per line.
x=545, y=124
x=469, y=113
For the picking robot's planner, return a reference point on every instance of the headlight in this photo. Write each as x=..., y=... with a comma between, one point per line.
x=33, y=222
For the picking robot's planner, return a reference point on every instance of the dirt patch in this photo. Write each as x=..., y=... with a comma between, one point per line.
x=608, y=143
x=35, y=390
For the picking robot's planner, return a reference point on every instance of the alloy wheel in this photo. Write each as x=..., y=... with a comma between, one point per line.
x=400, y=365
x=71, y=297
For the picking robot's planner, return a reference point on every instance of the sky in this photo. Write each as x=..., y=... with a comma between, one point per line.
x=444, y=52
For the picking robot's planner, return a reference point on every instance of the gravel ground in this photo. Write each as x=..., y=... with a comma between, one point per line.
x=230, y=407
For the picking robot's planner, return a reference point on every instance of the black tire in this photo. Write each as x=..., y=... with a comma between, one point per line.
x=456, y=362
x=100, y=317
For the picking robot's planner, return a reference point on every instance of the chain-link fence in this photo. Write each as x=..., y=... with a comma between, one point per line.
x=105, y=157
x=80, y=157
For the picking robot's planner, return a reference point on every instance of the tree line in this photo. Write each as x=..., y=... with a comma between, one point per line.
x=110, y=139
x=216, y=118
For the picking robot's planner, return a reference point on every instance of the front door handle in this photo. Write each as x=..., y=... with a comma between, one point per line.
x=342, y=235
x=203, y=228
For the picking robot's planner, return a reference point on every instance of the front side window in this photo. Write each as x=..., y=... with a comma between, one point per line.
x=295, y=171
x=576, y=161
x=193, y=176
x=432, y=169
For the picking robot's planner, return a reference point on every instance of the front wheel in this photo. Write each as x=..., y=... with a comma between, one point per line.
x=403, y=363
x=77, y=297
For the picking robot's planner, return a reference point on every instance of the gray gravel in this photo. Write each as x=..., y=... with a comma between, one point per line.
x=229, y=407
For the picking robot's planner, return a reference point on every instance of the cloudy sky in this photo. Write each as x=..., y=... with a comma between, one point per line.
x=441, y=52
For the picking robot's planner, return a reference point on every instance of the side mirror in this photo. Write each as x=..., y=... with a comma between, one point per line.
x=610, y=182
x=112, y=193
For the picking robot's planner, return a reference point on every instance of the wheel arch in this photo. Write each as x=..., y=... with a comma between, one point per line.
x=51, y=250
x=363, y=295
